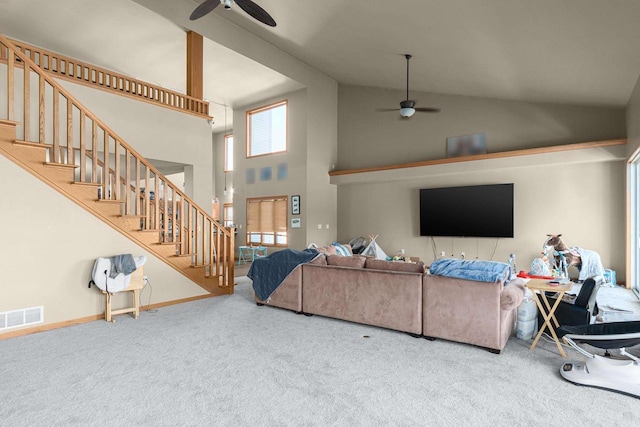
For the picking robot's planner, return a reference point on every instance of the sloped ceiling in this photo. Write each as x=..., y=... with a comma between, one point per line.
x=570, y=51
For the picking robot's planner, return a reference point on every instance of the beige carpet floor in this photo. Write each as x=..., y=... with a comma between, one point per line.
x=227, y=362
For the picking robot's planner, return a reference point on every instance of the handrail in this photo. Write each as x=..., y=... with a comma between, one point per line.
x=81, y=72
x=74, y=136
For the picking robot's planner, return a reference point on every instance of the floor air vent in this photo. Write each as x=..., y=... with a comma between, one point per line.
x=24, y=317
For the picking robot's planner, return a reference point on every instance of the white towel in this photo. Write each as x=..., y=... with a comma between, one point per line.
x=591, y=264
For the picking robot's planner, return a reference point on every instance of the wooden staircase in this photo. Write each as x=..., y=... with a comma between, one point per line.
x=71, y=150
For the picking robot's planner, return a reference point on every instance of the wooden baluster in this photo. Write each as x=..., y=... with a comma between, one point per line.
x=137, y=190
x=198, y=234
x=147, y=198
x=212, y=250
x=231, y=263
x=56, y=125
x=156, y=213
x=165, y=209
x=116, y=173
x=105, y=165
x=219, y=252
x=189, y=238
x=183, y=231
x=10, y=85
x=83, y=148
x=174, y=216
x=27, y=103
x=70, y=156
x=128, y=209
x=41, y=109
x=94, y=151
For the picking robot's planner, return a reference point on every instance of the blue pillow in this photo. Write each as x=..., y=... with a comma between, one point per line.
x=344, y=250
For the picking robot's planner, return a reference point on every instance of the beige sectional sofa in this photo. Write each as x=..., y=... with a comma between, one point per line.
x=401, y=296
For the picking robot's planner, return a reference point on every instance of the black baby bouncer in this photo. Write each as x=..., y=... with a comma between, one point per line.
x=620, y=375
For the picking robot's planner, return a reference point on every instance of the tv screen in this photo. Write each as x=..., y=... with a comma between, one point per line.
x=471, y=211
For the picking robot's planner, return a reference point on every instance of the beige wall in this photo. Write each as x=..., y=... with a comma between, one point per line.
x=580, y=195
x=294, y=158
x=50, y=248
x=633, y=120
x=312, y=151
x=508, y=125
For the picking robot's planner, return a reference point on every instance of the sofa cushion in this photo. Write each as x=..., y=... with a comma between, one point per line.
x=355, y=261
x=408, y=267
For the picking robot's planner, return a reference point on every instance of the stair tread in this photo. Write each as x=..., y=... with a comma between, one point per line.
x=88, y=184
x=169, y=243
x=109, y=201
x=60, y=165
x=9, y=122
x=184, y=255
x=30, y=144
x=150, y=230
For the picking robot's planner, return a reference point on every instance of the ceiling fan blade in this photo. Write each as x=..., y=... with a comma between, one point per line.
x=385, y=110
x=205, y=7
x=256, y=12
x=427, y=110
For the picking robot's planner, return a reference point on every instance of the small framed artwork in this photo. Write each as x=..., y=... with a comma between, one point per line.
x=295, y=205
x=295, y=223
x=466, y=145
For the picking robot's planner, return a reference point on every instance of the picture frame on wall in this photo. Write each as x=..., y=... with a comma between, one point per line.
x=466, y=145
x=295, y=205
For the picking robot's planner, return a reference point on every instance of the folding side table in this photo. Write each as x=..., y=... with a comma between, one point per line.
x=538, y=288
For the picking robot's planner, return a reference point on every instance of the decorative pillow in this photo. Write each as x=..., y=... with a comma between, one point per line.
x=344, y=250
x=355, y=261
x=319, y=260
x=327, y=250
x=408, y=267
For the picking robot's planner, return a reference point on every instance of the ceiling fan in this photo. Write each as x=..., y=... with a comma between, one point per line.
x=407, y=107
x=247, y=5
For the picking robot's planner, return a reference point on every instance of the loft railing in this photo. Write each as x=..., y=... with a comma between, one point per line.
x=111, y=81
x=46, y=114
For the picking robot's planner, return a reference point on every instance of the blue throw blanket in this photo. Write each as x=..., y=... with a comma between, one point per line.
x=268, y=272
x=480, y=271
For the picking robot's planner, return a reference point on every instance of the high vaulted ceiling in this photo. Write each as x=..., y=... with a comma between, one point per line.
x=564, y=51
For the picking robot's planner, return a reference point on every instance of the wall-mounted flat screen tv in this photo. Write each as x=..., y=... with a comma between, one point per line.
x=470, y=211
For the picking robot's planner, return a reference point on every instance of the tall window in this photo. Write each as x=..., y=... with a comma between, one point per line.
x=267, y=130
x=228, y=153
x=227, y=212
x=267, y=221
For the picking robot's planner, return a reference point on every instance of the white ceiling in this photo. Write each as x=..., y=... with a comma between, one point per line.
x=568, y=51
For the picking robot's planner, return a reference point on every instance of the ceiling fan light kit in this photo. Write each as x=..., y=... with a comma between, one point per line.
x=407, y=112
x=248, y=6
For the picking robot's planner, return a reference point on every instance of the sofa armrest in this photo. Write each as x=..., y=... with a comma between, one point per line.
x=465, y=311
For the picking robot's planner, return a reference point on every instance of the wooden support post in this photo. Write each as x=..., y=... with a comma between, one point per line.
x=194, y=64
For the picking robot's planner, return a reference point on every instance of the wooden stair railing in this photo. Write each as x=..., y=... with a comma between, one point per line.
x=146, y=201
x=81, y=72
